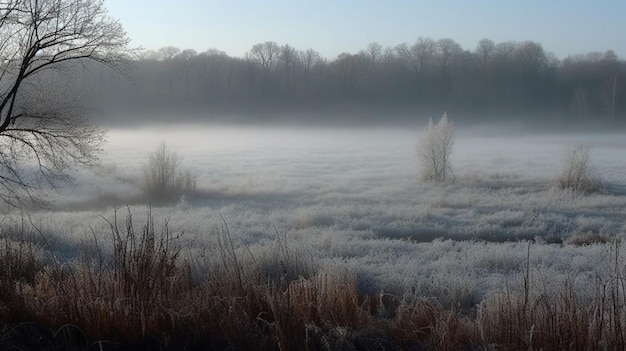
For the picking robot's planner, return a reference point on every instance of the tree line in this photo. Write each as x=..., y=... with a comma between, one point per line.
x=491, y=81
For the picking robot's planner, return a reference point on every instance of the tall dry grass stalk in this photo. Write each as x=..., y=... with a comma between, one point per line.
x=147, y=294
x=539, y=319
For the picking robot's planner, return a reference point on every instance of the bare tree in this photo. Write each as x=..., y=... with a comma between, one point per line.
x=434, y=150
x=149, y=55
x=504, y=52
x=168, y=53
x=485, y=48
x=449, y=51
x=374, y=52
x=187, y=54
x=43, y=132
x=308, y=59
x=289, y=60
x=351, y=67
x=611, y=65
x=266, y=55
x=421, y=53
x=311, y=65
x=530, y=58
x=212, y=71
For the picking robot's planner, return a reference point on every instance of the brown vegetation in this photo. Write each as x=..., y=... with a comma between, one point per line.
x=149, y=294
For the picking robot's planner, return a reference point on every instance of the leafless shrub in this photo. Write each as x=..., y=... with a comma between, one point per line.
x=164, y=179
x=577, y=174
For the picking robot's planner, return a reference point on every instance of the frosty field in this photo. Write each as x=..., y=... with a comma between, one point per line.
x=352, y=199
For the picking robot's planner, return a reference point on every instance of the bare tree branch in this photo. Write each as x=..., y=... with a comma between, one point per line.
x=43, y=131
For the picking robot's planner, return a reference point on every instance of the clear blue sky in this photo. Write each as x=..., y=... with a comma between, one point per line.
x=563, y=27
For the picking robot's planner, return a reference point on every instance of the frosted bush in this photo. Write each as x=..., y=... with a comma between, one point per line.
x=336, y=204
x=577, y=174
x=434, y=150
x=164, y=179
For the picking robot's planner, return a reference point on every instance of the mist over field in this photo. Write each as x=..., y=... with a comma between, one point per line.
x=416, y=195
x=509, y=82
x=286, y=173
x=352, y=198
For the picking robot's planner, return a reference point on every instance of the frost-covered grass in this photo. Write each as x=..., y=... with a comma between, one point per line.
x=351, y=201
x=355, y=195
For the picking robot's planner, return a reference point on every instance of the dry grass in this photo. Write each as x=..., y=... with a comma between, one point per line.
x=147, y=295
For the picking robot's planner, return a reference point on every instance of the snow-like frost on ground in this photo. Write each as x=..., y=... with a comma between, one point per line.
x=352, y=199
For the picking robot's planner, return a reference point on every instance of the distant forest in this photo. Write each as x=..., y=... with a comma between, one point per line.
x=505, y=81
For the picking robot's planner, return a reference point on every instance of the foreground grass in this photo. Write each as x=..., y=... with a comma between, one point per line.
x=149, y=294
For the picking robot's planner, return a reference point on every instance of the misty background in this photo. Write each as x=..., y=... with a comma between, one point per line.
x=493, y=82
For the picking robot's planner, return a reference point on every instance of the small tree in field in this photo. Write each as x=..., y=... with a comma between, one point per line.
x=163, y=178
x=434, y=149
x=577, y=174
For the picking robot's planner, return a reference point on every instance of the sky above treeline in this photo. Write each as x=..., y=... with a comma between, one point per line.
x=563, y=27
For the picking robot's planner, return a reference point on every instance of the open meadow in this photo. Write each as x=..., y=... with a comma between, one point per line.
x=499, y=257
